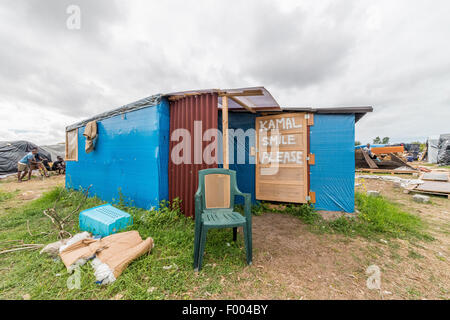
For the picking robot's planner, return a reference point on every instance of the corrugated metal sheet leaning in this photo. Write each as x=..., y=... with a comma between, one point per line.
x=183, y=177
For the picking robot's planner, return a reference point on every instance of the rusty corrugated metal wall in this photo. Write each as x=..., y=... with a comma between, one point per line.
x=183, y=178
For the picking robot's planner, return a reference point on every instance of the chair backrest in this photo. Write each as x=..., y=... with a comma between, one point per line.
x=217, y=187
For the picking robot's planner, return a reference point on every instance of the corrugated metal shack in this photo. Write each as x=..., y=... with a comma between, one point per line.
x=139, y=146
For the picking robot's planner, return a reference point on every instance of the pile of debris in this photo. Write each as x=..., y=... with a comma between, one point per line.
x=438, y=150
x=435, y=182
x=391, y=162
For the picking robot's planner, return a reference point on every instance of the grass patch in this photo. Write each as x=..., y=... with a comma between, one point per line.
x=414, y=255
x=4, y=196
x=27, y=272
x=378, y=218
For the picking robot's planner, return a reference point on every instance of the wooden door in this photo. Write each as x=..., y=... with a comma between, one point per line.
x=281, y=158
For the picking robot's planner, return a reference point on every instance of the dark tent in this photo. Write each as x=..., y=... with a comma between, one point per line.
x=12, y=151
x=443, y=157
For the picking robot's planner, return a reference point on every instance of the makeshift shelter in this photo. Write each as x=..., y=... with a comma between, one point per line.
x=432, y=149
x=55, y=150
x=151, y=150
x=12, y=151
x=443, y=157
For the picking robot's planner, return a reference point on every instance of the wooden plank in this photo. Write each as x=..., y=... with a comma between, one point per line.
x=239, y=102
x=369, y=160
x=428, y=192
x=245, y=93
x=285, y=174
x=283, y=140
x=312, y=196
x=225, y=132
x=400, y=161
x=281, y=192
x=391, y=149
x=386, y=171
x=282, y=165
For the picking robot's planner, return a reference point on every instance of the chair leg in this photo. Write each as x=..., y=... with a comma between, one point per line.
x=202, y=247
x=196, y=245
x=235, y=234
x=248, y=244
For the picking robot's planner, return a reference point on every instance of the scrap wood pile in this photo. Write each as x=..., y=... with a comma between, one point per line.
x=387, y=162
x=435, y=182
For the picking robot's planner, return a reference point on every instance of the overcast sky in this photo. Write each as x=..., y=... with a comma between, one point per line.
x=392, y=55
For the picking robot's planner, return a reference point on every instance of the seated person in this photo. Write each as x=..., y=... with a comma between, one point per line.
x=370, y=153
x=24, y=165
x=59, y=165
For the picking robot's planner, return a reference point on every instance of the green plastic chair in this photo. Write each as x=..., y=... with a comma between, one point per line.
x=214, y=203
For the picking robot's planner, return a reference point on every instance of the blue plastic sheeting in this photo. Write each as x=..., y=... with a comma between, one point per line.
x=371, y=146
x=245, y=172
x=130, y=155
x=332, y=178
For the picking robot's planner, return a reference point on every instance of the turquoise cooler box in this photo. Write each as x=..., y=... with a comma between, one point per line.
x=104, y=220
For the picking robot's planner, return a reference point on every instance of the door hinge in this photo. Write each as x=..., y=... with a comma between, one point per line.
x=311, y=159
x=312, y=197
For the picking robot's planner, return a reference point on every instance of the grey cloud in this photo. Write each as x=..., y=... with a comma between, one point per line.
x=306, y=53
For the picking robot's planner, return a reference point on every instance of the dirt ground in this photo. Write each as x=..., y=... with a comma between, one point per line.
x=291, y=262
x=29, y=190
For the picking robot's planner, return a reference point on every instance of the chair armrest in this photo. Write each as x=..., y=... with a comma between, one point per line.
x=198, y=205
x=247, y=204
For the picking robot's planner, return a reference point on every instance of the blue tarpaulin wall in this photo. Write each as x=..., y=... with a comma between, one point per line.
x=332, y=178
x=245, y=172
x=131, y=154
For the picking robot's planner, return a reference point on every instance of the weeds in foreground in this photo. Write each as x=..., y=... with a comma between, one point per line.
x=166, y=273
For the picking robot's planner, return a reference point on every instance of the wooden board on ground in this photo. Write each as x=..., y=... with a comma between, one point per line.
x=435, y=176
x=427, y=192
x=387, y=171
x=434, y=186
